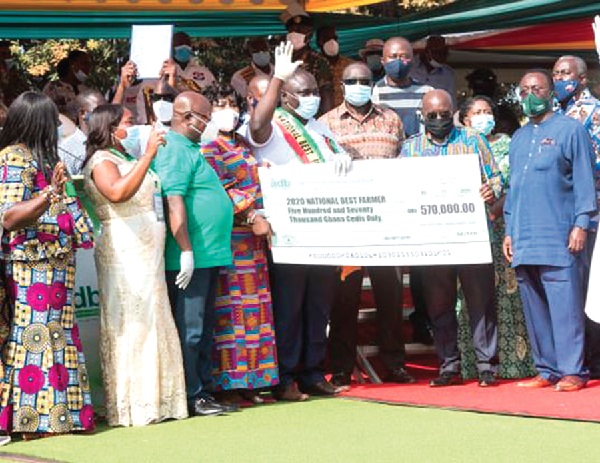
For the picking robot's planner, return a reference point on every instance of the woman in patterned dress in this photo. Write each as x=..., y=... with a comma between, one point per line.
x=142, y=368
x=514, y=353
x=44, y=388
x=244, y=341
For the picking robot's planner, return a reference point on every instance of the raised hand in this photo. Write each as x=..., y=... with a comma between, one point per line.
x=284, y=66
x=128, y=73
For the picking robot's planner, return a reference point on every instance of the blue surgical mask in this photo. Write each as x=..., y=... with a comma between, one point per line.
x=182, y=53
x=308, y=106
x=131, y=143
x=59, y=131
x=357, y=95
x=397, y=68
x=483, y=123
x=565, y=89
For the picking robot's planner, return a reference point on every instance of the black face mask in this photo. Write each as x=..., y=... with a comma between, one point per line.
x=439, y=128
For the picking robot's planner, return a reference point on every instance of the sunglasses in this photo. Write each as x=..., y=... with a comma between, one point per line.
x=157, y=97
x=357, y=81
x=440, y=115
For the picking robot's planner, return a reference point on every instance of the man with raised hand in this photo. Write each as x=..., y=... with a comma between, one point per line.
x=302, y=294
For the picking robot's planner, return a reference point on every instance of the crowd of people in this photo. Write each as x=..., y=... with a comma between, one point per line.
x=195, y=317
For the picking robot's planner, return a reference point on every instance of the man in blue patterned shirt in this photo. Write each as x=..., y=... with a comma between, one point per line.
x=576, y=101
x=442, y=138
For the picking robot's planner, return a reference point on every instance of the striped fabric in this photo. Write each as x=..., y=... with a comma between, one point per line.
x=406, y=101
x=244, y=354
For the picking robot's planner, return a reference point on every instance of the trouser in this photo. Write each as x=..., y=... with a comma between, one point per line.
x=477, y=282
x=344, y=317
x=418, y=318
x=302, y=298
x=194, y=313
x=553, y=307
x=592, y=329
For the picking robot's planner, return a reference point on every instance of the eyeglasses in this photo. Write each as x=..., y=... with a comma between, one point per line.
x=357, y=81
x=438, y=115
x=535, y=89
x=201, y=118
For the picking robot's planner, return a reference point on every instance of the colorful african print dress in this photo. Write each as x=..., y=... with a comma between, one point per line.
x=514, y=353
x=244, y=353
x=44, y=388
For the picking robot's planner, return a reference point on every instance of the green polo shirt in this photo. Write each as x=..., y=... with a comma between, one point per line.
x=183, y=171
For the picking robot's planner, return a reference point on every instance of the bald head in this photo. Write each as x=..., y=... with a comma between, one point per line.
x=257, y=87
x=191, y=112
x=575, y=62
x=437, y=101
x=300, y=82
x=397, y=47
x=357, y=71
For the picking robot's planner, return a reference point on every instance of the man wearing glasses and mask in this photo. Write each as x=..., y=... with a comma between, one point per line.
x=366, y=131
x=547, y=215
x=200, y=219
x=442, y=138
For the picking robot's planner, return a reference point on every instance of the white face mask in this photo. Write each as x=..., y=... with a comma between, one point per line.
x=163, y=110
x=298, y=40
x=225, y=120
x=331, y=48
x=483, y=123
x=261, y=58
x=81, y=76
x=308, y=106
x=131, y=143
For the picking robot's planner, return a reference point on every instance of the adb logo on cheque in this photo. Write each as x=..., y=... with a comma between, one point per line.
x=283, y=183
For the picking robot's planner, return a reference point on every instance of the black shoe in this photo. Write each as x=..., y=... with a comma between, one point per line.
x=487, y=379
x=422, y=335
x=205, y=407
x=447, y=378
x=341, y=380
x=227, y=407
x=322, y=388
x=400, y=375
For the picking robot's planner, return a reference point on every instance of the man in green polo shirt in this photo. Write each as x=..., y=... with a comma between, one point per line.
x=200, y=217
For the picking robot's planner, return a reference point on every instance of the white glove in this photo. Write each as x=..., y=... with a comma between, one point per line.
x=284, y=66
x=342, y=164
x=187, y=269
x=596, y=28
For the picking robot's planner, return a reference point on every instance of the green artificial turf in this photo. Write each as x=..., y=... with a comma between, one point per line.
x=333, y=430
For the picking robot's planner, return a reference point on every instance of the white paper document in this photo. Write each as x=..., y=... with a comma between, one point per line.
x=410, y=211
x=150, y=47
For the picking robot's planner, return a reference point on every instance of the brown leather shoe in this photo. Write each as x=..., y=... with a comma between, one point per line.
x=570, y=383
x=536, y=383
x=290, y=393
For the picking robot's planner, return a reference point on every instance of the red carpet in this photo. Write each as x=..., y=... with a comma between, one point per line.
x=506, y=398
